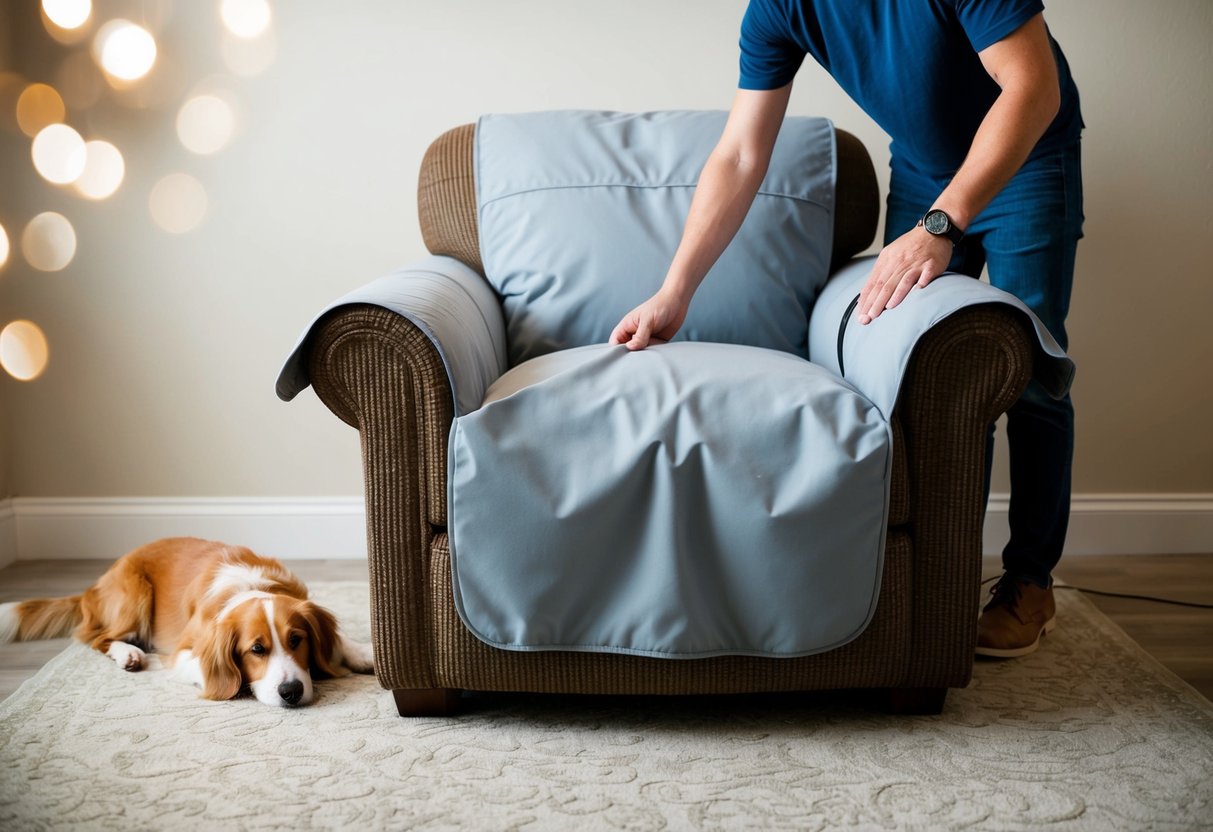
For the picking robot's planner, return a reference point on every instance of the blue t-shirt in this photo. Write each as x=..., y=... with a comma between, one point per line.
x=912, y=65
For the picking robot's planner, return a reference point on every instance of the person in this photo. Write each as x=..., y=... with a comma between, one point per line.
x=984, y=118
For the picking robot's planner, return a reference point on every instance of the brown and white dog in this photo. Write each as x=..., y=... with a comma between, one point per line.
x=226, y=618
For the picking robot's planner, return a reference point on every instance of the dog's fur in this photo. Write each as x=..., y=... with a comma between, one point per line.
x=226, y=618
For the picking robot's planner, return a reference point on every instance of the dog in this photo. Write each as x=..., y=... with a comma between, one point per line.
x=227, y=619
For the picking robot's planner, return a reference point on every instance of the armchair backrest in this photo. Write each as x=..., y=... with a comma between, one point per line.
x=446, y=198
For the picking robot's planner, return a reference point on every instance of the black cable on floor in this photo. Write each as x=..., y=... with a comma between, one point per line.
x=1122, y=595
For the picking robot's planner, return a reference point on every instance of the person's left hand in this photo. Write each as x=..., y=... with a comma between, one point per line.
x=913, y=259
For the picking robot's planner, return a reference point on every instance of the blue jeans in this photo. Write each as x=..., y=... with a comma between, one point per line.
x=1027, y=236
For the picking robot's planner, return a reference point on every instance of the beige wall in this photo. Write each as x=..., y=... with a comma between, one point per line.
x=165, y=349
x=7, y=214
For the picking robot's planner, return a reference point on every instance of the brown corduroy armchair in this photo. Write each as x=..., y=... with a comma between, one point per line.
x=380, y=374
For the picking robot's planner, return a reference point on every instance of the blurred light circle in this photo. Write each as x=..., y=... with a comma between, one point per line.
x=178, y=203
x=205, y=124
x=245, y=18
x=3, y=246
x=59, y=154
x=125, y=50
x=104, y=170
x=249, y=57
x=38, y=107
x=67, y=14
x=23, y=350
x=49, y=242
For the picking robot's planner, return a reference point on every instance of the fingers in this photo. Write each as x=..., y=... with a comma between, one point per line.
x=903, y=265
x=634, y=331
x=907, y=283
x=865, y=294
x=887, y=293
x=641, y=339
x=879, y=289
x=653, y=322
x=622, y=332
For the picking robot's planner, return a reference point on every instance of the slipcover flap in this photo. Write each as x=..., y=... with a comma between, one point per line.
x=446, y=300
x=689, y=500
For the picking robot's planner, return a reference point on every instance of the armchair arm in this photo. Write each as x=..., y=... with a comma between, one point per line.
x=874, y=358
x=963, y=373
x=398, y=360
x=452, y=305
x=944, y=370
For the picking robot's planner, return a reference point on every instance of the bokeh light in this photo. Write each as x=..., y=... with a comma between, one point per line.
x=205, y=124
x=124, y=50
x=4, y=247
x=178, y=203
x=49, y=242
x=245, y=18
x=23, y=350
x=59, y=154
x=249, y=57
x=39, y=107
x=104, y=170
x=67, y=14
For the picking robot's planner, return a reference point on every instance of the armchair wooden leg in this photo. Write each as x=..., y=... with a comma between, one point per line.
x=426, y=701
x=914, y=701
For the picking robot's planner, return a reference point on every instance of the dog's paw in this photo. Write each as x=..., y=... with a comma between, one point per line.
x=128, y=656
x=359, y=658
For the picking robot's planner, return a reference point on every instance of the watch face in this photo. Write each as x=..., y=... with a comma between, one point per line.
x=937, y=223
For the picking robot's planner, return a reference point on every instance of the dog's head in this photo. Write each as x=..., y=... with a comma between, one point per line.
x=271, y=644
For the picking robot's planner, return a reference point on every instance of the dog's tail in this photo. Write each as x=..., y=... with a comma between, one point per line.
x=43, y=618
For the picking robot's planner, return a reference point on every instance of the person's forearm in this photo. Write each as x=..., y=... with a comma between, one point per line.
x=1011, y=128
x=726, y=189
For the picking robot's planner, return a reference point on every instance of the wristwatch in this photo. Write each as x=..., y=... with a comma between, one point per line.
x=940, y=224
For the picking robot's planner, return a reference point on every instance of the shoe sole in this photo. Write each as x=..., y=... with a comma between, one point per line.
x=1014, y=652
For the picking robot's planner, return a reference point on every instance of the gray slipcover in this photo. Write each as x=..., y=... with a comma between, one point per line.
x=692, y=499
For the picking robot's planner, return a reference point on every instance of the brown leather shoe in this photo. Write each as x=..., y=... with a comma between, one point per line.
x=1014, y=621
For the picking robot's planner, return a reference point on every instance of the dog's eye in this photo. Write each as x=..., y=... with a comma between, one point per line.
x=293, y=640
x=257, y=649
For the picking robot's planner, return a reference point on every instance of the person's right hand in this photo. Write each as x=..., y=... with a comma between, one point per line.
x=654, y=321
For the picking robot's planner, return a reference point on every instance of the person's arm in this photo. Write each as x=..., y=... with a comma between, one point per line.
x=726, y=188
x=1024, y=67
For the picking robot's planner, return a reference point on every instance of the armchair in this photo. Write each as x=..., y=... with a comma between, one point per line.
x=386, y=369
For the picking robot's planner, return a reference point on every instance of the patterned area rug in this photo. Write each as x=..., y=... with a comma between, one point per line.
x=1088, y=733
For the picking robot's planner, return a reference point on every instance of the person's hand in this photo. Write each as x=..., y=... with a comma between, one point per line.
x=654, y=321
x=913, y=259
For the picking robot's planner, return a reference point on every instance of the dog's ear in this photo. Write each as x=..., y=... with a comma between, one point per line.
x=322, y=639
x=217, y=660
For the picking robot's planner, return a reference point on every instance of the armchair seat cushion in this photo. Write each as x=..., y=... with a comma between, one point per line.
x=690, y=500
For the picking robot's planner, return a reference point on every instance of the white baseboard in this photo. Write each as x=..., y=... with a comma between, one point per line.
x=1122, y=524
x=8, y=534
x=334, y=527
x=290, y=528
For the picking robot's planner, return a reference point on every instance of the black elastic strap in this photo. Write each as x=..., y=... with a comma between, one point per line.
x=842, y=330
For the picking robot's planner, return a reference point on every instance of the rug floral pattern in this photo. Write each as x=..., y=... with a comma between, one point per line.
x=1088, y=733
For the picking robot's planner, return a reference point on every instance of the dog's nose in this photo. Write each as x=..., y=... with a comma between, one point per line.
x=291, y=692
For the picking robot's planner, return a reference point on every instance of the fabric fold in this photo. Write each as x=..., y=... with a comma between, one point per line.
x=449, y=302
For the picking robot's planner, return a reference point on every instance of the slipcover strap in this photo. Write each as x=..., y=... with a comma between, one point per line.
x=964, y=373
x=379, y=373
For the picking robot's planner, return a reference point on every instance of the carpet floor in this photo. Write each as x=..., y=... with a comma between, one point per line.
x=1090, y=732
